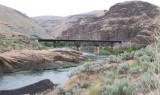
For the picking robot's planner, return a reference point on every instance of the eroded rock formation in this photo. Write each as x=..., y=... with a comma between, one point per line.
x=38, y=59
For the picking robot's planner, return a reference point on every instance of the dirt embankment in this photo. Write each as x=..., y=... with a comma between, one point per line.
x=38, y=59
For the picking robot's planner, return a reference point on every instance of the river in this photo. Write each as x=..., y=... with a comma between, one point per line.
x=24, y=78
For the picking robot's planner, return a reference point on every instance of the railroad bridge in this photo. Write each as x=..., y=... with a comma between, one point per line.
x=79, y=43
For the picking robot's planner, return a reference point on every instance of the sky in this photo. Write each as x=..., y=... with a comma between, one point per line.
x=62, y=7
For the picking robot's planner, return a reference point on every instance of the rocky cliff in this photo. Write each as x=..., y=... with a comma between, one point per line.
x=56, y=24
x=133, y=21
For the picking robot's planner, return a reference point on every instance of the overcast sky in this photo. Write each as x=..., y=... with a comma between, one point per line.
x=62, y=7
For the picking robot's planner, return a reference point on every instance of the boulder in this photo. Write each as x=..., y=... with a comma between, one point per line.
x=32, y=89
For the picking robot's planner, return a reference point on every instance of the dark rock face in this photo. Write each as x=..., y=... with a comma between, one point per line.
x=133, y=21
x=134, y=8
x=40, y=86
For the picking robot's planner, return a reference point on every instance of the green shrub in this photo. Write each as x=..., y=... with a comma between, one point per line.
x=147, y=83
x=86, y=69
x=145, y=58
x=4, y=49
x=76, y=89
x=16, y=70
x=139, y=53
x=89, y=60
x=110, y=77
x=135, y=70
x=11, y=43
x=25, y=41
x=50, y=68
x=109, y=74
x=114, y=59
x=60, y=90
x=131, y=49
x=135, y=64
x=108, y=49
x=127, y=56
x=47, y=44
x=119, y=52
x=123, y=68
x=68, y=66
x=93, y=91
x=88, y=47
x=121, y=88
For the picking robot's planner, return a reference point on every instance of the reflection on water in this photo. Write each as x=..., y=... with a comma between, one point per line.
x=20, y=79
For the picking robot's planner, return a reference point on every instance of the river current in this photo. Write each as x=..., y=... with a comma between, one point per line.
x=24, y=78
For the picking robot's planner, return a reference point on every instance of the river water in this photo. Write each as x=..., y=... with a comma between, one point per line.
x=24, y=78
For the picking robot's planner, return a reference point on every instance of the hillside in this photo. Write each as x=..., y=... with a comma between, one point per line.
x=16, y=24
x=56, y=24
x=129, y=73
x=132, y=21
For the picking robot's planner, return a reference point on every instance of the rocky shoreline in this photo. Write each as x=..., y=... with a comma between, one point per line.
x=17, y=60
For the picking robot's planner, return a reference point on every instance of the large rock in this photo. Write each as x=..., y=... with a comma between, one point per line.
x=32, y=89
x=38, y=59
x=133, y=21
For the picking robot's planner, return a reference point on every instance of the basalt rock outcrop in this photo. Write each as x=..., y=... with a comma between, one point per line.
x=38, y=59
x=32, y=89
x=134, y=21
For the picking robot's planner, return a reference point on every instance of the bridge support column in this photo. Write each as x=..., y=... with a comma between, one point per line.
x=78, y=44
x=77, y=48
x=112, y=45
x=96, y=49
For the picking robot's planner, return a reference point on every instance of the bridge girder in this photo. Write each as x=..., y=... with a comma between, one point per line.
x=79, y=43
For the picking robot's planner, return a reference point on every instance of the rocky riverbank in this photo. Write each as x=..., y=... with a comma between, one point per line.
x=39, y=59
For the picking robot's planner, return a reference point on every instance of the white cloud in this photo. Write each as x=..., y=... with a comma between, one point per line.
x=61, y=7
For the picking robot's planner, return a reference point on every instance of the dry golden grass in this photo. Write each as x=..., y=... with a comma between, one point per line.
x=12, y=21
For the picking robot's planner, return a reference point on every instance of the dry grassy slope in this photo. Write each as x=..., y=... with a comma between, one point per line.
x=15, y=22
x=57, y=24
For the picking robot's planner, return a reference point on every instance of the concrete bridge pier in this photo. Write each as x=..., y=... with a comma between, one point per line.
x=78, y=47
x=96, y=48
x=112, y=45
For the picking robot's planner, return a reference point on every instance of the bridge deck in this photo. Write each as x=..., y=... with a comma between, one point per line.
x=52, y=40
